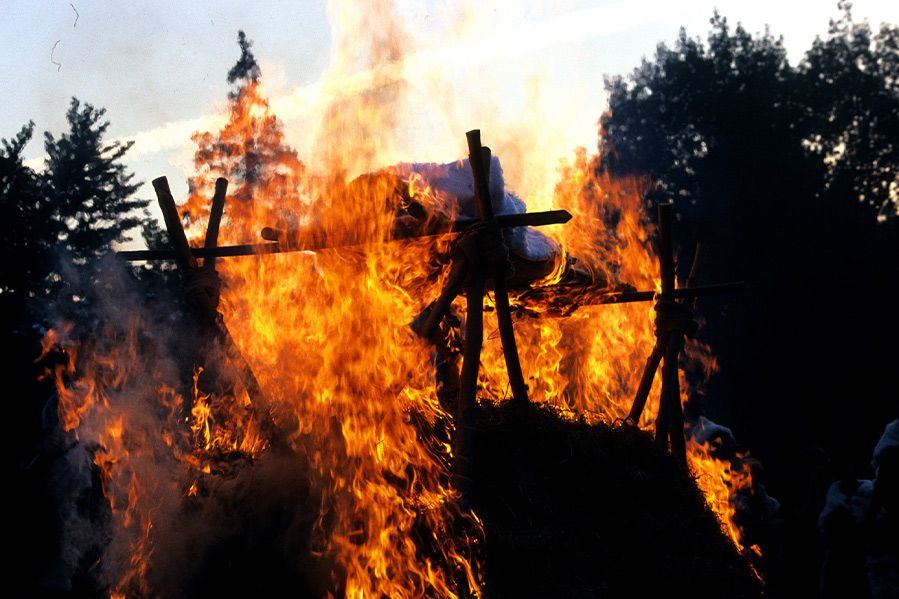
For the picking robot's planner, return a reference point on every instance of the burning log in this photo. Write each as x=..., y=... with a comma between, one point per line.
x=564, y=298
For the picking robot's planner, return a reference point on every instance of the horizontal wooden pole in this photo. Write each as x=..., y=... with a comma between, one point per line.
x=407, y=227
x=686, y=293
x=315, y=240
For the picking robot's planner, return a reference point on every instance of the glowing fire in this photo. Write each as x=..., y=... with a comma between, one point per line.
x=719, y=481
x=327, y=336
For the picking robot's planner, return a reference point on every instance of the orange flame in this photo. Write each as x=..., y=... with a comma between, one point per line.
x=719, y=481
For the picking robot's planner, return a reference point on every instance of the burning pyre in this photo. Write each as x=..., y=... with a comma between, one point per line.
x=352, y=427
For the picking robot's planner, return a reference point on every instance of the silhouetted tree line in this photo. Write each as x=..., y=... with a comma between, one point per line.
x=789, y=176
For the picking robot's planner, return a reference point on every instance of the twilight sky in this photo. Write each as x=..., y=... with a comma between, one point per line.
x=159, y=67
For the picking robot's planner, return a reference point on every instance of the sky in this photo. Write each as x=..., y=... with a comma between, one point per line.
x=159, y=68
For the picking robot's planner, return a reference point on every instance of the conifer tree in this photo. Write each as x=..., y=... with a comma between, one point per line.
x=89, y=187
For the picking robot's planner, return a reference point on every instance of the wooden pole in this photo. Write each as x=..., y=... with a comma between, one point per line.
x=649, y=373
x=317, y=239
x=480, y=157
x=510, y=347
x=670, y=419
x=215, y=220
x=183, y=255
x=666, y=274
x=464, y=449
x=442, y=304
x=669, y=343
x=671, y=382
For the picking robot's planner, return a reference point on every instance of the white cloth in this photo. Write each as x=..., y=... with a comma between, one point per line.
x=706, y=431
x=452, y=192
x=853, y=500
x=890, y=438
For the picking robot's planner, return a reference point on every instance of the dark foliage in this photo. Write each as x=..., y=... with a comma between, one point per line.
x=851, y=94
x=784, y=173
x=91, y=197
x=56, y=227
x=25, y=215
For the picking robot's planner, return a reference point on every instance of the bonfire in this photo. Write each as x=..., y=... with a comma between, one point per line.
x=353, y=343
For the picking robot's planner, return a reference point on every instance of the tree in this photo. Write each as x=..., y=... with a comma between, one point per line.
x=25, y=228
x=54, y=225
x=851, y=85
x=712, y=126
x=91, y=194
x=88, y=185
x=702, y=120
x=766, y=163
x=265, y=174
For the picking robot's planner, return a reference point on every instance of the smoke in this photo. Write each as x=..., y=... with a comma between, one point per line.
x=470, y=59
x=246, y=69
x=248, y=532
x=141, y=507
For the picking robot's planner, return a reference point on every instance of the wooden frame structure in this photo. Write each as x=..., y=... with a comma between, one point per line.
x=481, y=257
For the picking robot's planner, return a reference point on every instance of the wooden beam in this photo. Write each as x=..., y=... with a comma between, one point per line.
x=183, y=254
x=215, y=220
x=314, y=239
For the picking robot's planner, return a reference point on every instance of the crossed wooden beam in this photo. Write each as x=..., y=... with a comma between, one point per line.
x=480, y=255
x=202, y=287
x=674, y=321
x=480, y=259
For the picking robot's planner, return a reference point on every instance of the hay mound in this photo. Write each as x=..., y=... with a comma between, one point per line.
x=573, y=510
